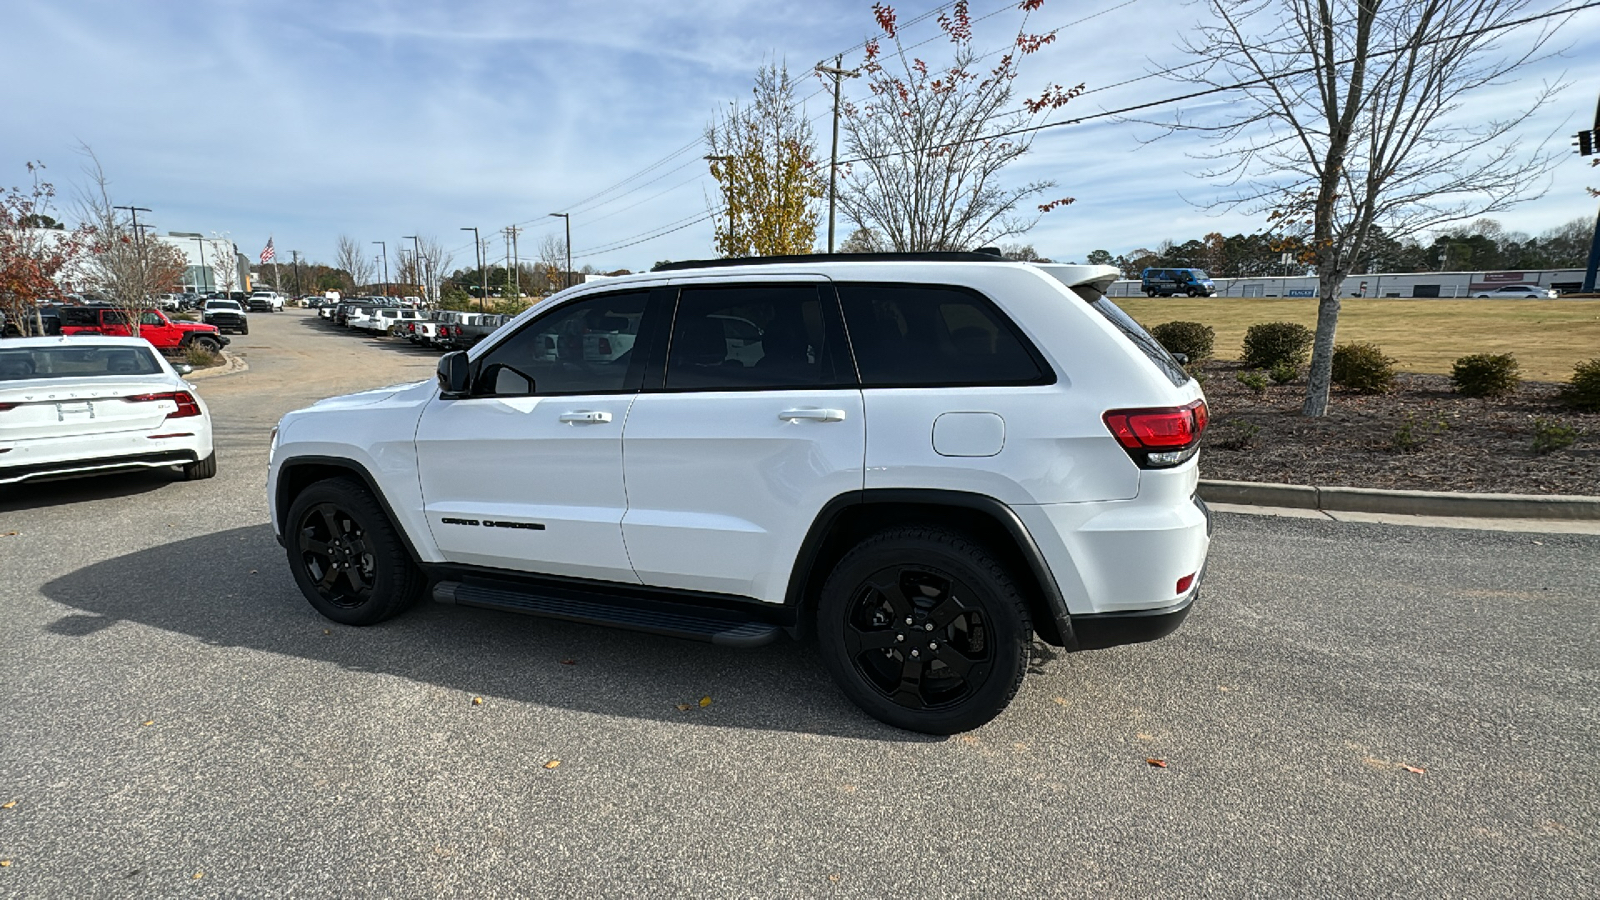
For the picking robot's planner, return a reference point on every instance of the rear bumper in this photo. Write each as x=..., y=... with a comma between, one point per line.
x=40, y=459
x=1102, y=630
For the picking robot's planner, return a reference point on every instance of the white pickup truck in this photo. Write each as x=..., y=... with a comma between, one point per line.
x=380, y=319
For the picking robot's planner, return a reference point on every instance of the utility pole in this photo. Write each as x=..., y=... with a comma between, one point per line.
x=138, y=250
x=839, y=74
x=505, y=234
x=477, y=245
x=516, y=265
x=566, y=277
x=385, y=266
x=727, y=192
x=295, y=255
x=418, y=261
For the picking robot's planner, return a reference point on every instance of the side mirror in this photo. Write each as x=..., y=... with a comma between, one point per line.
x=1182, y=358
x=184, y=369
x=454, y=375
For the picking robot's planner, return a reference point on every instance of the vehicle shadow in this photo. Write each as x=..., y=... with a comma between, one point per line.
x=249, y=600
x=79, y=489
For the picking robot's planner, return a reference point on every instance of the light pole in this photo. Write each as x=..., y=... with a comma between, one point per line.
x=385, y=266
x=839, y=75
x=295, y=255
x=417, y=260
x=477, y=246
x=727, y=193
x=566, y=277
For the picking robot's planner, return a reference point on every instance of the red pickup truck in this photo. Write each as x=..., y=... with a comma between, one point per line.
x=167, y=336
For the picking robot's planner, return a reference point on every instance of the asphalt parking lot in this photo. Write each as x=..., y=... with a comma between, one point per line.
x=1353, y=710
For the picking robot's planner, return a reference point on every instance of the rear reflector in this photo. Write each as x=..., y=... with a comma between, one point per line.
x=1184, y=583
x=1160, y=437
x=187, y=405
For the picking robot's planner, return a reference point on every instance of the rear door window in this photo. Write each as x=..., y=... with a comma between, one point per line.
x=757, y=337
x=935, y=336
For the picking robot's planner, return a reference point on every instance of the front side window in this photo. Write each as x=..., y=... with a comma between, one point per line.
x=750, y=338
x=926, y=335
x=151, y=318
x=584, y=347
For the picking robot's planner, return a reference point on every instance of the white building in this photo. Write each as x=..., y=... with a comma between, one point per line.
x=205, y=256
x=1393, y=284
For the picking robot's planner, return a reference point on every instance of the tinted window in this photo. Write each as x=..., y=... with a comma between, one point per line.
x=913, y=335
x=583, y=347
x=1134, y=332
x=735, y=338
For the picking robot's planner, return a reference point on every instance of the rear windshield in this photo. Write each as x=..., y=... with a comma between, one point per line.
x=1134, y=332
x=75, y=362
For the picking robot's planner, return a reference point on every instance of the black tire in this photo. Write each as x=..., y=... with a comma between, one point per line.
x=208, y=344
x=346, y=556
x=964, y=613
x=205, y=468
x=244, y=329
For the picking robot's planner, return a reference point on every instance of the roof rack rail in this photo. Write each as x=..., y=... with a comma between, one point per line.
x=982, y=254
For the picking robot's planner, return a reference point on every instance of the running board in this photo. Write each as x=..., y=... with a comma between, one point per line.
x=670, y=619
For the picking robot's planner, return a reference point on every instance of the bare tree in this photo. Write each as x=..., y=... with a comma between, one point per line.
x=1350, y=116
x=930, y=143
x=763, y=155
x=227, y=271
x=123, y=265
x=351, y=256
x=552, y=264
x=864, y=240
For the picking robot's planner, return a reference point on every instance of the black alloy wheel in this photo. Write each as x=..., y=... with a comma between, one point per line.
x=924, y=629
x=346, y=556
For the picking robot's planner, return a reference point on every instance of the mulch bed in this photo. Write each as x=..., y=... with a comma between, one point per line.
x=1456, y=443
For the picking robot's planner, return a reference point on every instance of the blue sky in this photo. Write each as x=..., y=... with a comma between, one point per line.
x=382, y=118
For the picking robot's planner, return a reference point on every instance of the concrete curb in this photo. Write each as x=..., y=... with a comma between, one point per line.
x=234, y=366
x=1406, y=503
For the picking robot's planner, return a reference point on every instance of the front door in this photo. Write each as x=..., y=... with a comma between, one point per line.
x=525, y=473
x=755, y=427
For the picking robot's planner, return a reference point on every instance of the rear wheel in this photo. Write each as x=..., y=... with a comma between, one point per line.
x=208, y=344
x=205, y=468
x=347, y=557
x=924, y=630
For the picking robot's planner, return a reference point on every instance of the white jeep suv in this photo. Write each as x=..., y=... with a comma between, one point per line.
x=923, y=461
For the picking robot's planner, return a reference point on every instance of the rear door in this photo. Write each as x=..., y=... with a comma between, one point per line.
x=752, y=426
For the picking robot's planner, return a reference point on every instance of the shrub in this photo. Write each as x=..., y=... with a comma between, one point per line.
x=1255, y=381
x=1485, y=375
x=1283, y=373
x=1266, y=344
x=1192, y=339
x=1551, y=436
x=1411, y=434
x=199, y=357
x=1583, y=391
x=1237, y=436
x=1363, y=368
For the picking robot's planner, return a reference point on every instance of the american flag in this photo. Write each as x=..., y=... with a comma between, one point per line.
x=267, y=252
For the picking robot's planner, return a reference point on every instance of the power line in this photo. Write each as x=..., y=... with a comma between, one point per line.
x=1222, y=89
x=658, y=232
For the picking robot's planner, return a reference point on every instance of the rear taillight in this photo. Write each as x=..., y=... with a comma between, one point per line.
x=187, y=405
x=605, y=347
x=1159, y=438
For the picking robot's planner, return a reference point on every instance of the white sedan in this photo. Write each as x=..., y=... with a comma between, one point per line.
x=1528, y=291
x=91, y=405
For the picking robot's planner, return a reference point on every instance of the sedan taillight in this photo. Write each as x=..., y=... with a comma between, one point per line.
x=1159, y=438
x=187, y=405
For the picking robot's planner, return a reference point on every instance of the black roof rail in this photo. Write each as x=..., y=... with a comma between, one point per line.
x=982, y=254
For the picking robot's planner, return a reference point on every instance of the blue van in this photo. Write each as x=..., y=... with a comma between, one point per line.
x=1167, y=282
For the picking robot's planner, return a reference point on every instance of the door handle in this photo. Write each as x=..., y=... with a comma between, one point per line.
x=812, y=415
x=586, y=418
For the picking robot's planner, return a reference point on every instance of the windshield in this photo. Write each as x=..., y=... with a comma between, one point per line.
x=76, y=362
x=1200, y=275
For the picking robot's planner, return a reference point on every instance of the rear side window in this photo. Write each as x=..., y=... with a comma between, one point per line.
x=932, y=336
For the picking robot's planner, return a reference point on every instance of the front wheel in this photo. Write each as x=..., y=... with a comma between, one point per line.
x=347, y=557
x=924, y=630
x=209, y=345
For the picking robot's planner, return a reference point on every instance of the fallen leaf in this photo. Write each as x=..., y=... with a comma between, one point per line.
x=477, y=701
x=1158, y=763
x=8, y=805
x=1415, y=770
x=147, y=724
x=326, y=631
x=1060, y=701
x=684, y=707
x=834, y=878
x=199, y=875
x=705, y=701
x=552, y=764
x=569, y=662
x=5, y=863
x=1146, y=737
x=252, y=571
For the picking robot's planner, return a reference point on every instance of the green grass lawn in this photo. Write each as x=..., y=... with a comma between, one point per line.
x=1549, y=337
